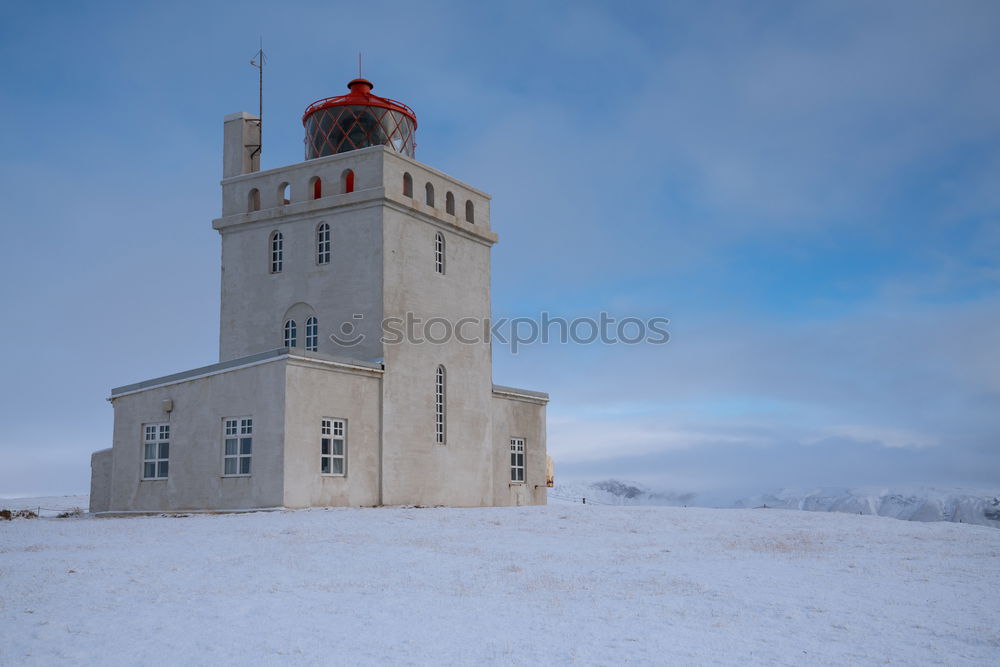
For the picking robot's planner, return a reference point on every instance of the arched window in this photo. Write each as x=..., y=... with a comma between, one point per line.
x=407, y=185
x=253, y=200
x=317, y=187
x=470, y=212
x=291, y=334
x=312, y=334
x=439, y=405
x=429, y=194
x=323, y=244
x=277, y=252
x=449, y=204
x=347, y=181
x=439, y=253
x=284, y=194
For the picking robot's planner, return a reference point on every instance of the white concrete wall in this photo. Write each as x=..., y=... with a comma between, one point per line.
x=314, y=391
x=195, y=480
x=395, y=165
x=100, y=480
x=366, y=164
x=515, y=417
x=255, y=301
x=416, y=468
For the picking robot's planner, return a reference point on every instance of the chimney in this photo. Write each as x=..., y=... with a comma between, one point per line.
x=240, y=144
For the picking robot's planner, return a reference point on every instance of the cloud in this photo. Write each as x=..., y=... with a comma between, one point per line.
x=890, y=375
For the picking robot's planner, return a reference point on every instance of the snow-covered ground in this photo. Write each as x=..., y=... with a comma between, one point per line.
x=540, y=585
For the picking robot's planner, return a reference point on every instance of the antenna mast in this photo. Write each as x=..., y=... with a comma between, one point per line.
x=258, y=61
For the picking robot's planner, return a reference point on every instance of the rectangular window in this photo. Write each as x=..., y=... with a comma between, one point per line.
x=156, y=451
x=439, y=253
x=277, y=252
x=333, y=446
x=439, y=405
x=517, y=459
x=238, y=445
x=323, y=244
x=312, y=334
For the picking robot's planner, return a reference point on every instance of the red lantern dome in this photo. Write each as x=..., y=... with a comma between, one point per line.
x=358, y=120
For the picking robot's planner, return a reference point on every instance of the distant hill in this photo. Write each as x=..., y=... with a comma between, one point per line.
x=908, y=503
x=959, y=505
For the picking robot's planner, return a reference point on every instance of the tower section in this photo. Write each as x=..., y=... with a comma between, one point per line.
x=362, y=253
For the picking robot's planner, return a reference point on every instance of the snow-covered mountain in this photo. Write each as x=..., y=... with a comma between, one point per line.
x=615, y=492
x=920, y=503
x=908, y=503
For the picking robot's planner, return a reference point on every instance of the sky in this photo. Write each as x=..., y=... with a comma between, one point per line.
x=807, y=190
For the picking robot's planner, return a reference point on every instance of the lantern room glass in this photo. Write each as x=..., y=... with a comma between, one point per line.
x=337, y=129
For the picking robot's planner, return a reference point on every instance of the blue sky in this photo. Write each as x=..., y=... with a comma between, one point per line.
x=809, y=191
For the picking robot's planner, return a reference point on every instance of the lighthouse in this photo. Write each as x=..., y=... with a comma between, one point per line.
x=317, y=400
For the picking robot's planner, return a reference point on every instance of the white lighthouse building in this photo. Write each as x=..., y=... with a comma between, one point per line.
x=312, y=402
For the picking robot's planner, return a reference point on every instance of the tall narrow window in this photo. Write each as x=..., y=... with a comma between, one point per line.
x=253, y=200
x=347, y=181
x=333, y=447
x=317, y=187
x=429, y=194
x=517, y=459
x=291, y=338
x=470, y=212
x=237, y=445
x=407, y=185
x=439, y=252
x=277, y=252
x=439, y=405
x=449, y=204
x=156, y=451
x=312, y=334
x=284, y=194
x=323, y=244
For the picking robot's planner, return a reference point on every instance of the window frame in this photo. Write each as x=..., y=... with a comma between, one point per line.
x=312, y=334
x=323, y=243
x=290, y=334
x=328, y=431
x=242, y=430
x=441, y=405
x=517, y=456
x=440, y=247
x=160, y=432
x=276, y=250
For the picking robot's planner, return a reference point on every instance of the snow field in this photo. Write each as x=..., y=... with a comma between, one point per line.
x=560, y=584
